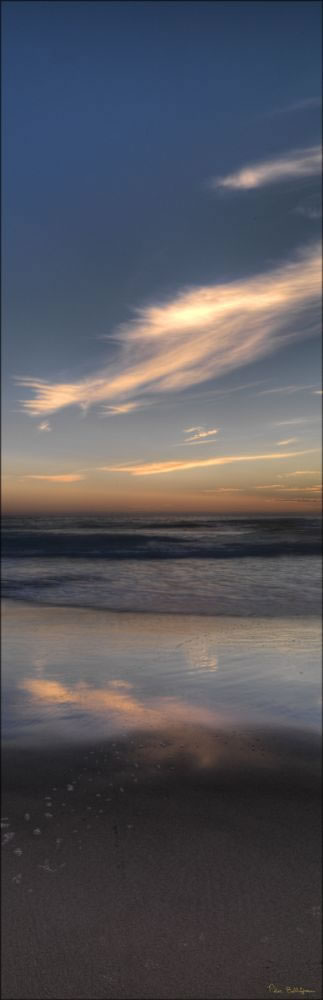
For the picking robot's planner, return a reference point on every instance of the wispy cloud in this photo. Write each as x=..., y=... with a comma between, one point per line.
x=159, y=468
x=287, y=441
x=45, y=426
x=290, y=166
x=290, y=421
x=310, y=210
x=304, y=104
x=225, y=489
x=299, y=472
x=285, y=389
x=317, y=392
x=296, y=500
x=292, y=489
x=63, y=478
x=112, y=411
x=200, y=436
x=200, y=334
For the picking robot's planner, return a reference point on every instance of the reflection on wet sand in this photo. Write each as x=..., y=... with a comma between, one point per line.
x=124, y=709
x=77, y=676
x=154, y=733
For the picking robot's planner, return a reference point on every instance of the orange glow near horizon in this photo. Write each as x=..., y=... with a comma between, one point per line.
x=261, y=483
x=43, y=499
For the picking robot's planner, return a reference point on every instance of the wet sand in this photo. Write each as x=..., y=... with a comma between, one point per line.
x=171, y=865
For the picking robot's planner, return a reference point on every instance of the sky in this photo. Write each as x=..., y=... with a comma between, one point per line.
x=161, y=257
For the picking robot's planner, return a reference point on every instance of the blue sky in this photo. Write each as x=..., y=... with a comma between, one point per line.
x=160, y=160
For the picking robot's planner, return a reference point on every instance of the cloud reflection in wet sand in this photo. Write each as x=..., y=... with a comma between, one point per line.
x=192, y=736
x=74, y=678
x=124, y=708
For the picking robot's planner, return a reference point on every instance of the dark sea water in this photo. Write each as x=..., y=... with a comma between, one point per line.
x=201, y=565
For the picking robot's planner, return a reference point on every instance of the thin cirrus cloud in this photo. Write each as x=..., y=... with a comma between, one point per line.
x=112, y=411
x=159, y=468
x=299, y=472
x=285, y=389
x=225, y=489
x=291, y=166
x=309, y=210
x=200, y=334
x=63, y=478
x=304, y=104
x=200, y=435
x=286, y=441
x=301, y=499
x=290, y=421
x=292, y=489
x=44, y=426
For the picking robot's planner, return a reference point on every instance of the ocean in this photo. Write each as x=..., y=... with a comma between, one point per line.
x=203, y=565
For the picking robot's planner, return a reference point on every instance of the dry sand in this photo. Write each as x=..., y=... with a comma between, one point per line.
x=174, y=866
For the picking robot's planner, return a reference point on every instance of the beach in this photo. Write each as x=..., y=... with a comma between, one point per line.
x=172, y=865
x=161, y=717
x=161, y=805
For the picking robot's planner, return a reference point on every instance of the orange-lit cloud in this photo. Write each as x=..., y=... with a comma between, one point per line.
x=64, y=478
x=299, y=472
x=225, y=489
x=112, y=411
x=200, y=334
x=297, y=164
x=157, y=468
x=292, y=489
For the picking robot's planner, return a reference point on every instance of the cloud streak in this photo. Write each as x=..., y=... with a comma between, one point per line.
x=291, y=421
x=200, y=334
x=63, y=478
x=291, y=166
x=181, y=465
x=311, y=211
x=287, y=441
x=112, y=411
x=292, y=489
x=200, y=436
x=285, y=389
x=300, y=472
x=302, y=105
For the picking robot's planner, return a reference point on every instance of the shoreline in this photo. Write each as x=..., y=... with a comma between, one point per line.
x=271, y=616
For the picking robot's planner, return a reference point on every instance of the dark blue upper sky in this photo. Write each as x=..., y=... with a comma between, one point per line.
x=115, y=117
